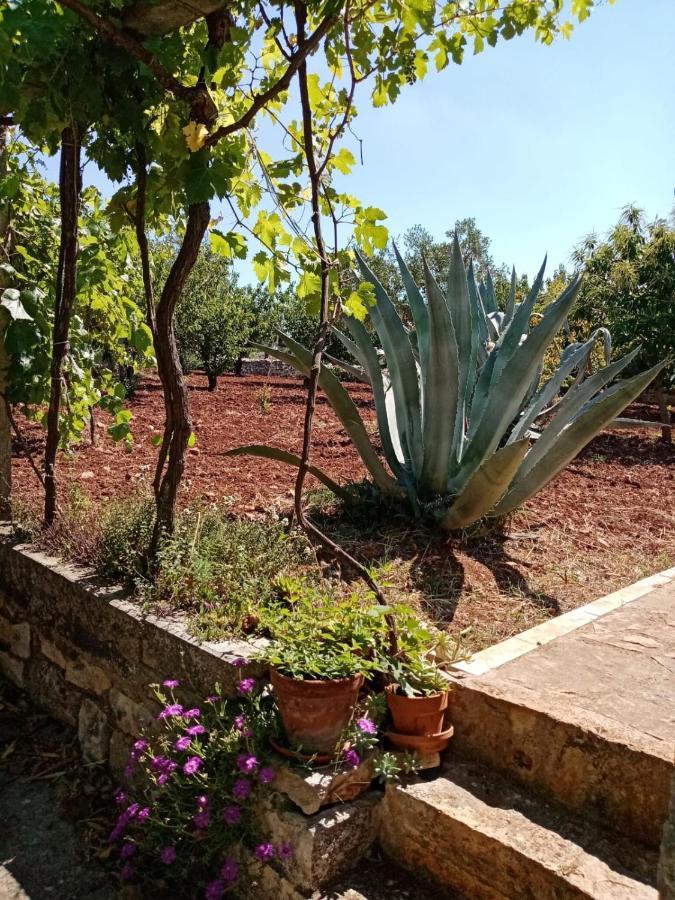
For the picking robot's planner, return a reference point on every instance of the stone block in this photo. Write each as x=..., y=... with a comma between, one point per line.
x=118, y=751
x=15, y=637
x=88, y=677
x=50, y=690
x=52, y=652
x=322, y=786
x=12, y=668
x=93, y=732
x=326, y=844
x=128, y=715
x=170, y=651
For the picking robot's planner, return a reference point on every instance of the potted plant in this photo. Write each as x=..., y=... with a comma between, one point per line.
x=321, y=648
x=418, y=690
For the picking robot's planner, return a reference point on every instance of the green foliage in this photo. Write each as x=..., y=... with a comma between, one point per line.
x=318, y=634
x=108, y=332
x=629, y=286
x=215, y=320
x=461, y=399
x=218, y=568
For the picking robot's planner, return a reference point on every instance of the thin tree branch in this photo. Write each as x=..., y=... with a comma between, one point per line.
x=261, y=100
x=21, y=440
x=317, y=353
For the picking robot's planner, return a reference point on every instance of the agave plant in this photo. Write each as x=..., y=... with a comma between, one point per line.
x=466, y=423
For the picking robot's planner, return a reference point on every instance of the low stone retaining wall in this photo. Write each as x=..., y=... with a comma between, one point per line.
x=87, y=655
x=268, y=368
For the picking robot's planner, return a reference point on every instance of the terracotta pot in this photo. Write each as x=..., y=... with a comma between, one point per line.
x=315, y=713
x=421, y=743
x=417, y=715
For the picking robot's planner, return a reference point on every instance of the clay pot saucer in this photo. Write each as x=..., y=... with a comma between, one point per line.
x=424, y=743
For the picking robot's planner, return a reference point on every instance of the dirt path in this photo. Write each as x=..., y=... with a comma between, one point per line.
x=49, y=804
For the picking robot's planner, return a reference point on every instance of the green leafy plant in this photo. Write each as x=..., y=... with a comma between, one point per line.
x=317, y=634
x=459, y=406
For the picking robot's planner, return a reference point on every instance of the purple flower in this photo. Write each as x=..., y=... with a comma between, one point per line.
x=264, y=852
x=192, y=713
x=163, y=778
x=201, y=819
x=212, y=699
x=285, y=852
x=131, y=811
x=239, y=662
x=230, y=870
x=144, y=815
x=352, y=758
x=247, y=763
x=163, y=764
x=120, y=797
x=140, y=746
x=171, y=683
x=195, y=730
x=246, y=685
x=127, y=850
x=366, y=725
x=240, y=722
x=241, y=789
x=127, y=872
x=267, y=775
x=202, y=801
x=168, y=855
x=192, y=766
x=214, y=890
x=173, y=709
x=232, y=814
x=183, y=742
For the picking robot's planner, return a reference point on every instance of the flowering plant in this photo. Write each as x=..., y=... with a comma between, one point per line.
x=363, y=739
x=193, y=787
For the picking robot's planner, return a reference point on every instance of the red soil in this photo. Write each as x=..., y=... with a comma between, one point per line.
x=607, y=520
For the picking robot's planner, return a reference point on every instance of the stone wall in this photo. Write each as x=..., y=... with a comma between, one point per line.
x=87, y=655
x=267, y=368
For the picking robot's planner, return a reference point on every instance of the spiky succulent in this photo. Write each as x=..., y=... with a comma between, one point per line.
x=466, y=423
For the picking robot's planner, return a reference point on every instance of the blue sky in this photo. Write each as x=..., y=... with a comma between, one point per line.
x=540, y=144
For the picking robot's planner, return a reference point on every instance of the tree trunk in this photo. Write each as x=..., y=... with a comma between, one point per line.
x=5, y=429
x=213, y=381
x=177, y=424
x=666, y=425
x=70, y=189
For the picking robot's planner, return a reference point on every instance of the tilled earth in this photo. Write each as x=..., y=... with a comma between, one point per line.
x=606, y=521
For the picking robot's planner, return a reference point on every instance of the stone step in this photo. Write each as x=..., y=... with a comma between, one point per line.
x=479, y=835
x=586, y=717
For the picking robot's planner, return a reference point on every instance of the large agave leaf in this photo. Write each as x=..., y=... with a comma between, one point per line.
x=465, y=321
x=511, y=300
x=441, y=391
x=573, y=438
x=301, y=359
x=350, y=347
x=486, y=487
x=508, y=342
x=292, y=460
x=355, y=372
x=488, y=295
x=570, y=361
x=402, y=370
x=386, y=424
x=481, y=321
x=507, y=393
x=418, y=309
x=573, y=402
